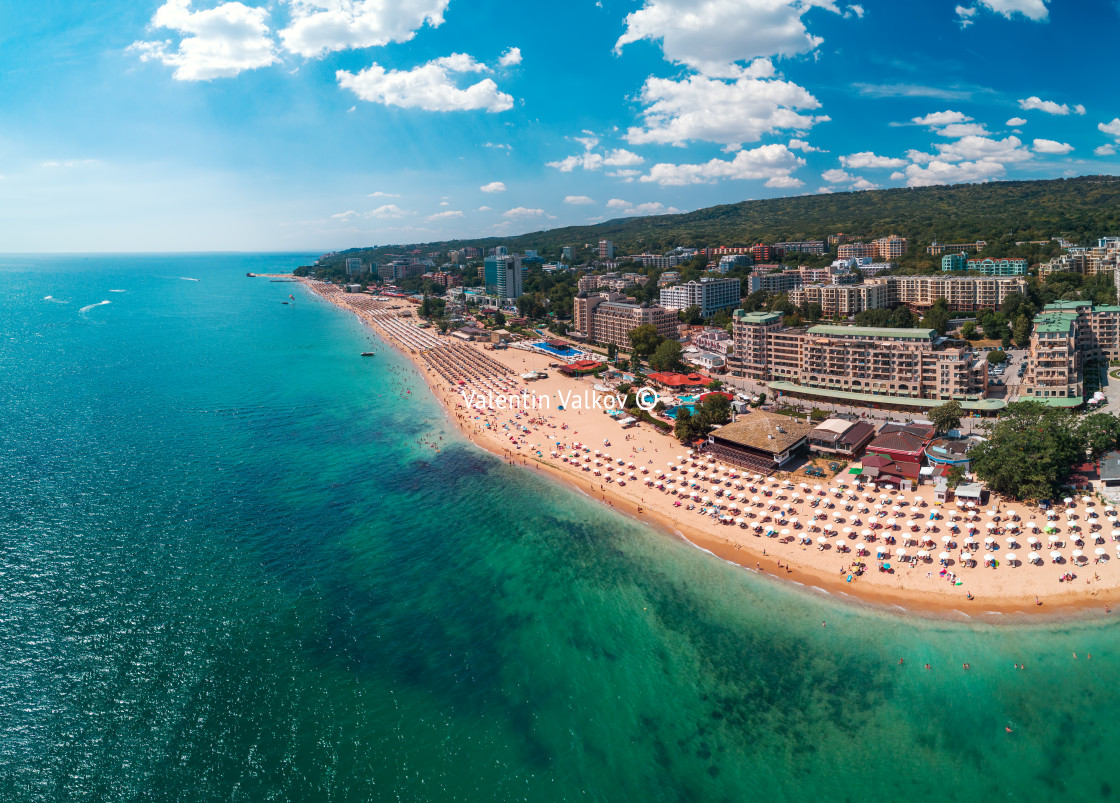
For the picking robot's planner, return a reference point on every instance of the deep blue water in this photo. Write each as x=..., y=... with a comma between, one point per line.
x=240, y=562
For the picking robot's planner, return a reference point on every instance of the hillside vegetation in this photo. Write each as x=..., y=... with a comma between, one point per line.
x=1079, y=209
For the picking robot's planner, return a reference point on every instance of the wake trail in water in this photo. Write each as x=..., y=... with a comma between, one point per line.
x=118, y=291
x=55, y=300
x=88, y=307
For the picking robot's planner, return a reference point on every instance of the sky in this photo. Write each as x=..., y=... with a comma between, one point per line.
x=202, y=125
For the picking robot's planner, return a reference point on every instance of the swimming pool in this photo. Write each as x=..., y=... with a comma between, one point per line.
x=567, y=353
x=672, y=411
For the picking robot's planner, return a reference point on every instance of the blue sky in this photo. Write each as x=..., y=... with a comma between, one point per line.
x=324, y=124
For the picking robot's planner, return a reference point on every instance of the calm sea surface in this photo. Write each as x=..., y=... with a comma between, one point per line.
x=240, y=562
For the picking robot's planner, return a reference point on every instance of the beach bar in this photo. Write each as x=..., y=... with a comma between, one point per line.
x=762, y=441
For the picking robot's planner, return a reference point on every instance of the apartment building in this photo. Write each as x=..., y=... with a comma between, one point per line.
x=781, y=282
x=899, y=363
x=710, y=295
x=713, y=340
x=668, y=277
x=606, y=318
x=1086, y=261
x=951, y=262
x=890, y=247
x=842, y=299
x=801, y=247
x=1067, y=336
x=996, y=267
x=964, y=293
x=762, y=253
x=656, y=260
x=937, y=249
x=856, y=251
x=606, y=249
x=503, y=276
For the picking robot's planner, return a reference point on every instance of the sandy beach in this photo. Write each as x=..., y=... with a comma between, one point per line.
x=811, y=531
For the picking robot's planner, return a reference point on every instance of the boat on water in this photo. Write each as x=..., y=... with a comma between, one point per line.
x=367, y=353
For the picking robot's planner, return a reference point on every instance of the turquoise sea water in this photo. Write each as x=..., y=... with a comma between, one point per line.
x=233, y=567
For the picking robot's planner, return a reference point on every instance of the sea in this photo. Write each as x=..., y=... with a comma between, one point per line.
x=240, y=562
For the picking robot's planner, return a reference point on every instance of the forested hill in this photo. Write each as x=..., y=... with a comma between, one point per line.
x=1079, y=209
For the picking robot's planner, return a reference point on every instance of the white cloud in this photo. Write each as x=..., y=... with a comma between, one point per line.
x=429, y=86
x=388, y=211
x=1051, y=147
x=1032, y=9
x=626, y=175
x=941, y=172
x=727, y=112
x=522, y=212
x=1112, y=129
x=825, y=190
x=214, y=43
x=450, y=213
x=510, y=57
x=835, y=176
x=865, y=159
x=493, y=186
x=957, y=130
x=863, y=184
x=1104, y=150
x=711, y=35
x=1048, y=106
x=774, y=163
x=579, y=200
x=651, y=208
x=937, y=119
x=321, y=26
x=802, y=145
x=981, y=149
x=854, y=10
x=593, y=160
x=964, y=15
x=1014, y=121
x=484, y=209
x=380, y=194
x=617, y=203
x=344, y=216
x=498, y=146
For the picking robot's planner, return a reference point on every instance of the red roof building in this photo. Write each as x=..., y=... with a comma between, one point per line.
x=676, y=381
x=580, y=367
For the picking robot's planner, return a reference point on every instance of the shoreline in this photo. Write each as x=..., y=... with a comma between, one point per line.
x=933, y=602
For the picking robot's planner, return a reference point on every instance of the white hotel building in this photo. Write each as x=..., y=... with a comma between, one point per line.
x=710, y=295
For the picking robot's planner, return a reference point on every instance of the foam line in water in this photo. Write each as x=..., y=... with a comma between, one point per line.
x=88, y=307
x=188, y=279
x=55, y=300
x=118, y=291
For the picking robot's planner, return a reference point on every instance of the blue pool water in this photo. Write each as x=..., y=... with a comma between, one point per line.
x=672, y=411
x=567, y=353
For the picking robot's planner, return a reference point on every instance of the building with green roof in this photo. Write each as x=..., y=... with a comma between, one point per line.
x=1068, y=337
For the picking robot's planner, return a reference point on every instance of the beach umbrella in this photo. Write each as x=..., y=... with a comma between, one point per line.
x=1010, y=558
x=805, y=539
x=1054, y=555
x=1032, y=557
x=841, y=544
x=946, y=539
x=880, y=551
x=1053, y=539
x=989, y=540
x=900, y=552
x=1078, y=554
x=867, y=534
x=966, y=556
x=1100, y=551
x=1013, y=526
x=990, y=526
x=860, y=548
x=847, y=530
x=821, y=539
x=1068, y=500
x=923, y=553
x=944, y=556
x=1033, y=525
x=989, y=557
x=1087, y=500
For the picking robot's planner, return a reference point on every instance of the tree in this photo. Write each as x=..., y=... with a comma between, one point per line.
x=635, y=363
x=1099, y=433
x=955, y=477
x=715, y=384
x=936, y=318
x=612, y=351
x=902, y=318
x=946, y=416
x=1022, y=331
x=968, y=331
x=644, y=339
x=690, y=315
x=1029, y=452
x=685, y=428
x=499, y=318
x=715, y=409
x=996, y=356
x=667, y=357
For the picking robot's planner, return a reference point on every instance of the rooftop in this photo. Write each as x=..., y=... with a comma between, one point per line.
x=757, y=317
x=1055, y=322
x=768, y=432
x=972, y=406
x=873, y=331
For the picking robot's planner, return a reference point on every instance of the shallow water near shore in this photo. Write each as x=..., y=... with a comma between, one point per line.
x=240, y=562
